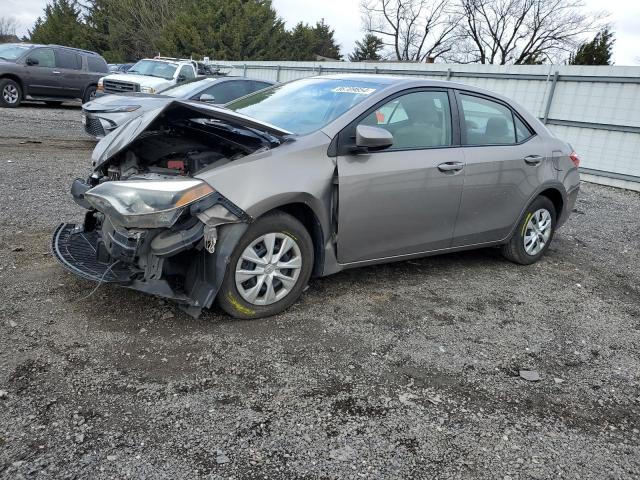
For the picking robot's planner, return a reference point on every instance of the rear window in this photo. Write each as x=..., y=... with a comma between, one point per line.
x=97, y=64
x=68, y=59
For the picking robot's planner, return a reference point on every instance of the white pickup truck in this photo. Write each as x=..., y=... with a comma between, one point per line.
x=149, y=75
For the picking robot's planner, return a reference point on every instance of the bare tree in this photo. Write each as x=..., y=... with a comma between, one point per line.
x=8, y=27
x=521, y=31
x=414, y=30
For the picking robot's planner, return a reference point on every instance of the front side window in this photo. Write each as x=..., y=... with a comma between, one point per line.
x=187, y=72
x=44, y=57
x=486, y=122
x=416, y=120
x=154, y=69
x=306, y=105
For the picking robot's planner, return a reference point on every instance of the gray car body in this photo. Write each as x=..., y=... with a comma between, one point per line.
x=432, y=212
x=376, y=207
x=97, y=109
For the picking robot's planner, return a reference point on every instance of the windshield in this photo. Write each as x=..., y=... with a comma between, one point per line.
x=154, y=69
x=304, y=106
x=12, y=52
x=188, y=89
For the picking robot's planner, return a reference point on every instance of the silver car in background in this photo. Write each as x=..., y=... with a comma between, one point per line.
x=242, y=205
x=107, y=112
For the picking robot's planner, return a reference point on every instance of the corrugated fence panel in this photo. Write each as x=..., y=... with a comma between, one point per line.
x=596, y=109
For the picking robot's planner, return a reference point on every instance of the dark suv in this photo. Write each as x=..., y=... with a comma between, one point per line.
x=51, y=73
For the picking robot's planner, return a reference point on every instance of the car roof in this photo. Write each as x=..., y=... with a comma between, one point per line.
x=38, y=45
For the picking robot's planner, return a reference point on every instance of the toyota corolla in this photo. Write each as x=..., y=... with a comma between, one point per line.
x=242, y=205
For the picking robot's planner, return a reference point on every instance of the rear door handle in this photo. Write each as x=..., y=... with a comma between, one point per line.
x=533, y=159
x=450, y=166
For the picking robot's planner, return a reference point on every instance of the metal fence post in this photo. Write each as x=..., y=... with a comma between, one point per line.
x=550, y=98
x=375, y=69
x=319, y=69
x=244, y=70
x=278, y=73
x=449, y=72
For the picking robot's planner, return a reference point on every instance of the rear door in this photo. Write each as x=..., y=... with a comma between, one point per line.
x=42, y=77
x=504, y=165
x=72, y=77
x=404, y=199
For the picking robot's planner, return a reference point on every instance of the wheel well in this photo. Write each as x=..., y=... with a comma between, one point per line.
x=556, y=198
x=15, y=79
x=308, y=218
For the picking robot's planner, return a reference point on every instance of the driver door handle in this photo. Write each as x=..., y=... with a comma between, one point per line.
x=450, y=166
x=533, y=159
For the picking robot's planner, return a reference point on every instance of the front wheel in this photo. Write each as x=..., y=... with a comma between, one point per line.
x=268, y=269
x=534, y=233
x=10, y=93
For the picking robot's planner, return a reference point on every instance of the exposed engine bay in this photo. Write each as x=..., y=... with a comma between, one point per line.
x=184, y=147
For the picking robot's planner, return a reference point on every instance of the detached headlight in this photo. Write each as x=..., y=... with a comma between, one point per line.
x=147, y=90
x=146, y=203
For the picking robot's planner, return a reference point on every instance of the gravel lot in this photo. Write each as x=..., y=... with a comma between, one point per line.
x=404, y=370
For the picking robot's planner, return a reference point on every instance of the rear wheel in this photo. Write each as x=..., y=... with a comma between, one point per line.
x=10, y=93
x=534, y=233
x=89, y=94
x=269, y=268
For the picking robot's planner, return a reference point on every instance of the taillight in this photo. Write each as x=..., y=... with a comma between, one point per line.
x=575, y=159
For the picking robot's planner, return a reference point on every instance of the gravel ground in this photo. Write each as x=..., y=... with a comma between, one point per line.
x=407, y=370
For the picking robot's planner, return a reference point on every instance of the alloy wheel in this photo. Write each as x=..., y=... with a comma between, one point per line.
x=268, y=269
x=537, y=232
x=10, y=94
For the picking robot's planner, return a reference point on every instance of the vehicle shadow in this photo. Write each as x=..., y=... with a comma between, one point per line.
x=67, y=105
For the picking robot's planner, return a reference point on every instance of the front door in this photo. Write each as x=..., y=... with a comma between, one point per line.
x=504, y=165
x=42, y=77
x=404, y=199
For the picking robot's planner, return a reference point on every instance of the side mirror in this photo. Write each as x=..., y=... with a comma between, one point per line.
x=205, y=97
x=372, y=138
x=32, y=61
x=181, y=78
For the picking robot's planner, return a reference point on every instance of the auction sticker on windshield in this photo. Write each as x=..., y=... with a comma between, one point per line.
x=355, y=90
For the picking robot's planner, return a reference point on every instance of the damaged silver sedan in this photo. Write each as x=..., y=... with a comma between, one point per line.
x=242, y=205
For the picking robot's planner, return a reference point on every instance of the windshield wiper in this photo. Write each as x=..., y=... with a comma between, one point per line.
x=2, y=58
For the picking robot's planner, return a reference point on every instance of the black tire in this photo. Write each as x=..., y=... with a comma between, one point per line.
x=89, y=93
x=14, y=90
x=53, y=103
x=515, y=250
x=230, y=299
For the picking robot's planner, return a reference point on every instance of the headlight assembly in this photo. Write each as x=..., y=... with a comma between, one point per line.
x=122, y=108
x=146, y=203
x=148, y=90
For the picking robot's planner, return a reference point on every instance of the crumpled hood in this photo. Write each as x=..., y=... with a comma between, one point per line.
x=119, y=139
x=146, y=80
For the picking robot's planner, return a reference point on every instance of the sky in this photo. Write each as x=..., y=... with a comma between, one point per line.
x=344, y=17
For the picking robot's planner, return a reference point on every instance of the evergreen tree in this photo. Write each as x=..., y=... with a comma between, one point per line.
x=62, y=24
x=367, y=49
x=596, y=52
x=324, y=43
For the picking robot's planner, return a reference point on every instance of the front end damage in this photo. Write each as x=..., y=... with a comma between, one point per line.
x=150, y=224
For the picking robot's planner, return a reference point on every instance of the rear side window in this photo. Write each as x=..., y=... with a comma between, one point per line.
x=97, y=64
x=486, y=122
x=522, y=131
x=44, y=57
x=69, y=60
x=255, y=86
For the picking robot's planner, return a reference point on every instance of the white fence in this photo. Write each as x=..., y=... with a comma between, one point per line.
x=596, y=109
